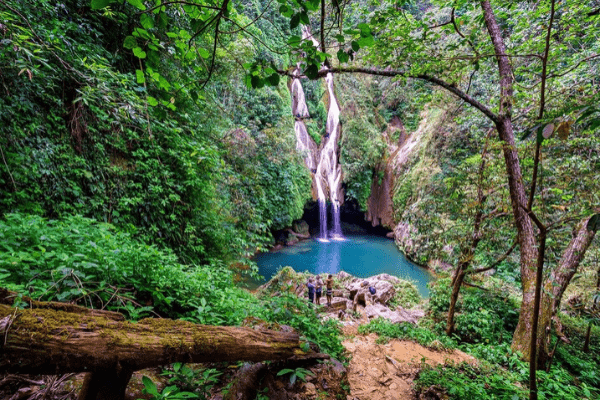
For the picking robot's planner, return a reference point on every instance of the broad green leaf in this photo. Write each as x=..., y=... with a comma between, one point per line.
x=147, y=21
x=312, y=71
x=295, y=21
x=98, y=4
x=355, y=45
x=139, y=53
x=204, y=53
x=138, y=4
x=294, y=40
x=285, y=10
x=163, y=20
x=257, y=82
x=273, y=79
x=366, y=41
x=150, y=386
x=139, y=74
x=312, y=5
x=304, y=18
x=152, y=101
x=130, y=42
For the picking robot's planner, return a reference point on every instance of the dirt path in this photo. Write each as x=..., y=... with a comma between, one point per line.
x=386, y=371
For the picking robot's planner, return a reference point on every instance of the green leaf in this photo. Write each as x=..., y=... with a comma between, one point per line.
x=339, y=38
x=130, y=42
x=257, y=82
x=295, y=21
x=163, y=20
x=312, y=71
x=204, y=53
x=139, y=53
x=152, y=101
x=248, y=80
x=138, y=4
x=273, y=79
x=149, y=386
x=294, y=40
x=304, y=18
x=342, y=56
x=139, y=74
x=98, y=4
x=285, y=371
x=147, y=21
x=312, y=5
x=355, y=45
x=366, y=41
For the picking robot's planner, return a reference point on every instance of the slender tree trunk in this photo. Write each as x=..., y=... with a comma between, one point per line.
x=562, y=274
x=459, y=277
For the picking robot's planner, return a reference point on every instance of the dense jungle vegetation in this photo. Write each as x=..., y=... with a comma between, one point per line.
x=148, y=152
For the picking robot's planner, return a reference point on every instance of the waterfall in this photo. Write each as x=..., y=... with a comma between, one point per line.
x=323, y=163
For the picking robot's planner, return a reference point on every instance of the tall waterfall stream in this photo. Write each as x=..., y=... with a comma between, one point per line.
x=321, y=160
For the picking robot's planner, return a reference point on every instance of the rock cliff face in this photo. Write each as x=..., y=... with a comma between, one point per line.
x=380, y=204
x=380, y=209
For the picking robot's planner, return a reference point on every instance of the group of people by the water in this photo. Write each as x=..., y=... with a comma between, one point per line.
x=315, y=289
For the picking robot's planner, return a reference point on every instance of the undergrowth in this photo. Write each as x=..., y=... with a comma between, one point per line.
x=95, y=264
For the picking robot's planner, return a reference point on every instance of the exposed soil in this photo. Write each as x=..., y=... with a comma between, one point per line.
x=386, y=371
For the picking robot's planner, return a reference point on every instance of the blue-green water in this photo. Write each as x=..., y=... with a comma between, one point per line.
x=358, y=255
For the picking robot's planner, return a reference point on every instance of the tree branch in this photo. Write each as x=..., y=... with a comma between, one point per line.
x=439, y=82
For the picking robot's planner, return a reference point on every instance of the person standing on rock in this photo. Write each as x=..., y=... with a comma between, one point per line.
x=318, y=290
x=329, y=293
x=311, y=290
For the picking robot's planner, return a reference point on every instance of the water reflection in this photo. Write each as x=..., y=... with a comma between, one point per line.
x=358, y=255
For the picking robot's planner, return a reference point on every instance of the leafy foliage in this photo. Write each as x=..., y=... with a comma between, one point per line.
x=297, y=373
x=94, y=264
x=198, y=381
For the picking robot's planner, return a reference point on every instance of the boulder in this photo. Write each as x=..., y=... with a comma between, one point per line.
x=383, y=284
x=397, y=316
x=337, y=303
x=301, y=227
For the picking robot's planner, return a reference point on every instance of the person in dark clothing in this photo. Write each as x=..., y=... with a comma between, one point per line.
x=311, y=290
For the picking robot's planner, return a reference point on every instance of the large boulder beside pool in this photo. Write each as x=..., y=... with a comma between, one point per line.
x=384, y=289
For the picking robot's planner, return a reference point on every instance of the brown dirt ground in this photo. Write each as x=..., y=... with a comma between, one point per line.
x=386, y=371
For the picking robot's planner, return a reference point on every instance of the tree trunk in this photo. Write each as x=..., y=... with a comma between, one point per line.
x=569, y=263
x=45, y=341
x=459, y=277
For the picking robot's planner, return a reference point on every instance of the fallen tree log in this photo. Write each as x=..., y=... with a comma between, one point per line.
x=47, y=341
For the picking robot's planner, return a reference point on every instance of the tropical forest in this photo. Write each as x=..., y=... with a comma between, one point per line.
x=299, y=199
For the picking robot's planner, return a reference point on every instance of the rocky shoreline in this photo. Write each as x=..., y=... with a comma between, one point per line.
x=395, y=299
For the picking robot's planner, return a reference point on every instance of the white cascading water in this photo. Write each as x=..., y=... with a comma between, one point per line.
x=304, y=142
x=327, y=171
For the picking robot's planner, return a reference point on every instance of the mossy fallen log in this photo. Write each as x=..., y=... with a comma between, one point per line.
x=49, y=341
x=46, y=341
